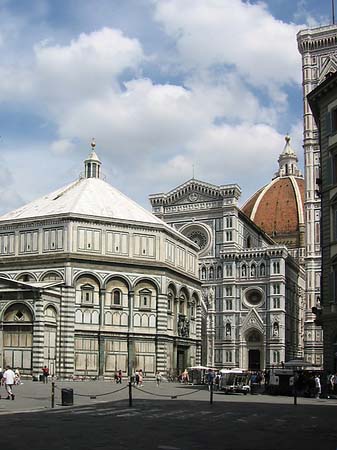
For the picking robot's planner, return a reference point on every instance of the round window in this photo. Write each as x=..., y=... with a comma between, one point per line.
x=198, y=234
x=254, y=297
x=199, y=237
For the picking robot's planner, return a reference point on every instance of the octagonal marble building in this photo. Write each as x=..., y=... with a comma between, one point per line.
x=90, y=283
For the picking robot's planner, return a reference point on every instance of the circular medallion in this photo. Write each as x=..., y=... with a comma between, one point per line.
x=193, y=197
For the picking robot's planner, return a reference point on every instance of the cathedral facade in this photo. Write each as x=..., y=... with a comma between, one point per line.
x=92, y=283
x=251, y=285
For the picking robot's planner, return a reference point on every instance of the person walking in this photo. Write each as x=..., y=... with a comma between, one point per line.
x=158, y=378
x=45, y=373
x=17, y=376
x=119, y=377
x=9, y=380
x=317, y=386
x=141, y=377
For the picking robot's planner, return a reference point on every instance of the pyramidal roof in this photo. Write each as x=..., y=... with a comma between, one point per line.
x=88, y=196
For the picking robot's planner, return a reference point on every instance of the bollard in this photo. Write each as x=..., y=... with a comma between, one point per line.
x=130, y=394
x=53, y=394
x=211, y=393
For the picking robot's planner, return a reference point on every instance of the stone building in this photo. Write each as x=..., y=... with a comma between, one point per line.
x=318, y=47
x=91, y=283
x=252, y=286
x=323, y=103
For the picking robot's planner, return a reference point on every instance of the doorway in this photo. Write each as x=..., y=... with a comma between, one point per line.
x=181, y=360
x=254, y=360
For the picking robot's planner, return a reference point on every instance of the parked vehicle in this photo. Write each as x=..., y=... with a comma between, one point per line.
x=235, y=381
x=197, y=374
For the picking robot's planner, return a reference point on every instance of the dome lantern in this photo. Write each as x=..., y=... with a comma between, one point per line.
x=288, y=161
x=92, y=164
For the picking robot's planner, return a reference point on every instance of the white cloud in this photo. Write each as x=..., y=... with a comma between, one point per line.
x=149, y=133
x=226, y=154
x=240, y=34
x=302, y=14
x=62, y=146
x=86, y=67
x=16, y=84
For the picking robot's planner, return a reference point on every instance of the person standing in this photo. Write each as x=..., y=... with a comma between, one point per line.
x=136, y=378
x=45, y=373
x=9, y=380
x=210, y=379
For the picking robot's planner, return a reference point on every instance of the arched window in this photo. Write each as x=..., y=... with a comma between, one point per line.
x=211, y=273
x=26, y=278
x=117, y=297
x=145, y=298
x=182, y=304
x=192, y=310
x=87, y=294
x=244, y=270
x=170, y=302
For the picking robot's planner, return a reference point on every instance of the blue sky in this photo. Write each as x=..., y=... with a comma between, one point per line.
x=163, y=85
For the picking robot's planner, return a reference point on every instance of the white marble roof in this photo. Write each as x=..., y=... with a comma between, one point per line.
x=89, y=197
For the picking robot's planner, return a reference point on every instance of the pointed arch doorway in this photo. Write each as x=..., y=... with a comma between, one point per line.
x=254, y=341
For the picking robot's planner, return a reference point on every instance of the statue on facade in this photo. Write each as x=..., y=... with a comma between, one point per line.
x=275, y=329
x=211, y=296
x=228, y=329
x=183, y=327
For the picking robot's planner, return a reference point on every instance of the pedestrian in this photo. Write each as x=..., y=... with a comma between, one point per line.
x=335, y=384
x=9, y=379
x=158, y=378
x=119, y=377
x=141, y=377
x=45, y=374
x=136, y=382
x=17, y=377
x=317, y=386
x=210, y=378
x=116, y=377
x=217, y=381
x=1, y=375
x=185, y=377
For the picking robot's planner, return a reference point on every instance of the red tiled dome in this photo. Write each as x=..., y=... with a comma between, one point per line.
x=278, y=209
